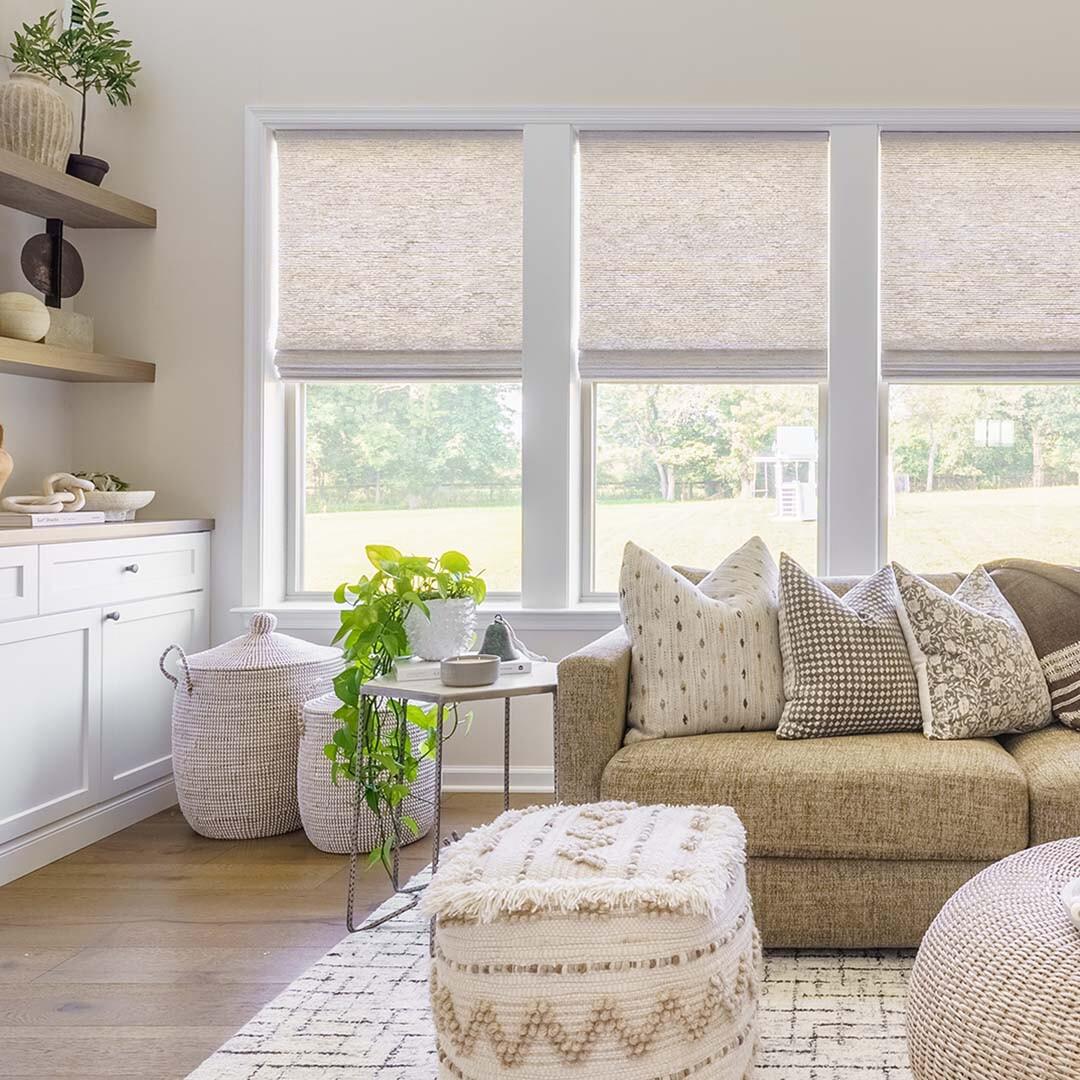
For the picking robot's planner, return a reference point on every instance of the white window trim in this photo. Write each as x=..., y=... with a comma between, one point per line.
x=557, y=514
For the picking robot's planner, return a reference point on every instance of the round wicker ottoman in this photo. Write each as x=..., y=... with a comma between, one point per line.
x=995, y=991
x=606, y=940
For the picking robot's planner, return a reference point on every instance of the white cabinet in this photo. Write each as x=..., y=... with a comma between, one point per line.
x=85, y=714
x=50, y=719
x=136, y=733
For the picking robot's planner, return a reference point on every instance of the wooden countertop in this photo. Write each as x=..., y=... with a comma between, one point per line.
x=114, y=530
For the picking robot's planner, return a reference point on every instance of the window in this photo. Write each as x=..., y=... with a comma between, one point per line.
x=1012, y=490
x=399, y=258
x=691, y=472
x=859, y=340
x=980, y=278
x=437, y=464
x=703, y=256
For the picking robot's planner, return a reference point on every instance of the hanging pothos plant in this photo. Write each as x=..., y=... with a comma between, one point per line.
x=372, y=748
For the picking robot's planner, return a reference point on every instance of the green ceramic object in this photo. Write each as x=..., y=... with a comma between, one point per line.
x=497, y=641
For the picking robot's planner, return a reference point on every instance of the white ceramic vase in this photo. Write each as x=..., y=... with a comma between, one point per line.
x=35, y=120
x=450, y=631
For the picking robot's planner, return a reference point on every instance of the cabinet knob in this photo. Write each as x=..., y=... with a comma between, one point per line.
x=113, y=615
x=133, y=568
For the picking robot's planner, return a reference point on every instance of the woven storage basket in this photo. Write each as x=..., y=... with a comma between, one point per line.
x=995, y=990
x=236, y=729
x=328, y=809
x=607, y=940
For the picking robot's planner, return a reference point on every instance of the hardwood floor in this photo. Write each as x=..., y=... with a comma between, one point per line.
x=136, y=957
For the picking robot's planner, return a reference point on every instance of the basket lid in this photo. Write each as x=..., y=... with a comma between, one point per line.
x=261, y=648
x=324, y=705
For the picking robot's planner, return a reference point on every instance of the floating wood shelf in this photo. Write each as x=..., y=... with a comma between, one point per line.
x=70, y=365
x=36, y=189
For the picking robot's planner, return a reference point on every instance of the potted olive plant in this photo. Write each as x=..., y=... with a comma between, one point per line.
x=89, y=55
x=372, y=748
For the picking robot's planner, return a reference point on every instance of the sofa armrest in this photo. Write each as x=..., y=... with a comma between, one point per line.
x=593, y=684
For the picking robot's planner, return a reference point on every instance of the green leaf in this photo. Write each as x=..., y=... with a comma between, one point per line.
x=454, y=561
x=380, y=554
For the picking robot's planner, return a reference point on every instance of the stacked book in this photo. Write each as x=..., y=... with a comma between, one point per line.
x=37, y=521
x=412, y=669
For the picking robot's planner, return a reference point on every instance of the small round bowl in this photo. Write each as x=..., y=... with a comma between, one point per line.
x=1070, y=897
x=120, y=505
x=470, y=669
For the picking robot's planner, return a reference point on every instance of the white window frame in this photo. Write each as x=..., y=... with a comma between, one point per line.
x=556, y=450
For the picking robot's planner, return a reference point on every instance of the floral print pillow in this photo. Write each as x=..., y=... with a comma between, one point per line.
x=976, y=668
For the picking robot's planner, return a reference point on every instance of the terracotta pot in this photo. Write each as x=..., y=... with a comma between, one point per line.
x=35, y=120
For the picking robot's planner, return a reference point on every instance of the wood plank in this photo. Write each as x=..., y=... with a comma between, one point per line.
x=70, y=365
x=149, y=1052
x=175, y=967
x=20, y=964
x=95, y=1004
x=36, y=189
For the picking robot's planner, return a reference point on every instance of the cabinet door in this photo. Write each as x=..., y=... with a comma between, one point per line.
x=136, y=711
x=18, y=582
x=50, y=712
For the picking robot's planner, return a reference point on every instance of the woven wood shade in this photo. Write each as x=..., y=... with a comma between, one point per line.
x=704, y=255
x=399, y=254
x=980, y=255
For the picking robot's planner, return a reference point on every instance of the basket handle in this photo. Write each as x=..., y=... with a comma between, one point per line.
x=183, y=664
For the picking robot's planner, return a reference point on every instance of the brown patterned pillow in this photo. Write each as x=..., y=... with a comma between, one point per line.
x=978, y=673
x=1047, y=599
x=847, y=669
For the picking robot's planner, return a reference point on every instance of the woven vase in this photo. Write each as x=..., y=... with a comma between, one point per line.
x=35, y=121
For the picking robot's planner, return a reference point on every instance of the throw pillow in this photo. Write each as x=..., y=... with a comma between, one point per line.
x=847, y=670
x=704, y=657
x=977, y=671
x=1047, y=599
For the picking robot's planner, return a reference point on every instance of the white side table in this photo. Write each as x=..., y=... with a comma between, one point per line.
x=541, y=680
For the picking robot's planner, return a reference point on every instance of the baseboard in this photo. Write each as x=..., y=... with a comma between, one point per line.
x=539, y=780
x=51, y=842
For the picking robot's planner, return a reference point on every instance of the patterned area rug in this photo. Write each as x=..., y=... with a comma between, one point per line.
x=362, y=1011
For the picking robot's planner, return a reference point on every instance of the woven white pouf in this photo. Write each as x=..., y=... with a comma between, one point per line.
x=604, y=941
x=995, y=990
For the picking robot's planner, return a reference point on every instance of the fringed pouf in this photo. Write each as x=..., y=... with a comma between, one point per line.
x=995, y=990
x=608, y=941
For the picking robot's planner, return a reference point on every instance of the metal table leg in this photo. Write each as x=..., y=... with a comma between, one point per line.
x=506, y=754
x=436, y=828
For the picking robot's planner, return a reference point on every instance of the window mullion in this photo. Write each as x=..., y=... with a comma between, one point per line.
x=853, y=488
x=551, y=437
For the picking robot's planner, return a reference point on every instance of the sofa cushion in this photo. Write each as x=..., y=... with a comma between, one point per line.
x=978, y=673
x=704, y=657
x=1050, y=759
x=888, y=796
x=847, y=670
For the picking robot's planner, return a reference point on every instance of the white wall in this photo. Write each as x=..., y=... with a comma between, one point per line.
x=175, y=296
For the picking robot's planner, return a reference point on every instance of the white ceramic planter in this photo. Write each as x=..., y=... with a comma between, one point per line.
x=35, y=120
x=450, y=631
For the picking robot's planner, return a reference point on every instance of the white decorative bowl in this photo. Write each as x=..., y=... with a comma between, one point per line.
x=1070, y=897
x=118, y=505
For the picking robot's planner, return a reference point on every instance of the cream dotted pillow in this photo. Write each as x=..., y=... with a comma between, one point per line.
x=704, y=657
x=977, y=670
